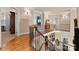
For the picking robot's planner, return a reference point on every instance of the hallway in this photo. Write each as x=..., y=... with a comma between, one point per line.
x=58, y=20
x=20, y=43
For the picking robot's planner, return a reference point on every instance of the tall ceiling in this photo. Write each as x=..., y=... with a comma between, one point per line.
x=51, y=8
x=41, y=9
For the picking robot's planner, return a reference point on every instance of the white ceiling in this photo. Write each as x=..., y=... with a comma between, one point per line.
x=52, y=9
x=41, y=9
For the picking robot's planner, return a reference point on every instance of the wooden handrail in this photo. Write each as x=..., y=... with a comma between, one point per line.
x=36, y=28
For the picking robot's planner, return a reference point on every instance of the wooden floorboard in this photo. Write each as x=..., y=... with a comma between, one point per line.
x=20, y=43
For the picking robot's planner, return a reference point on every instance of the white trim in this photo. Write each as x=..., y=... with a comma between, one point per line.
x=13, y=9
x=0, y=35
x=55, y=31
x=24, y=33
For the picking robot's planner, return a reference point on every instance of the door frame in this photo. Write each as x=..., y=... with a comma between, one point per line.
x=17, y=21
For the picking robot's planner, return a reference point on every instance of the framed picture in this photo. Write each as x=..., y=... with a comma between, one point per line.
x=38, y=20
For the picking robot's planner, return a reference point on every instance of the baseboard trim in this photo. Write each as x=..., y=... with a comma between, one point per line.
x=24, y=33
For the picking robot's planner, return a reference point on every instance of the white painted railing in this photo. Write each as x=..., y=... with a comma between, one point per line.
x=39, y=40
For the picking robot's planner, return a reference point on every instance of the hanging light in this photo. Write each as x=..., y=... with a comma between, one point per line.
x=27, y=11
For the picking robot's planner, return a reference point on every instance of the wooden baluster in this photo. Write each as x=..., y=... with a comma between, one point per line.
x=46, y=43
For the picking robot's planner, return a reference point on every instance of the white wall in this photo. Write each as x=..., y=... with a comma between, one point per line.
x=0, y=33
x=25, y=21
x=3, y=11
x=5, y=21
x=57, y=20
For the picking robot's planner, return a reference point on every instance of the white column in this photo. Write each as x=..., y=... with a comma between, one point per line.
x=0, y=30
x=17, y=22
x=72, y=17
x=78, y=15
x=0, y=34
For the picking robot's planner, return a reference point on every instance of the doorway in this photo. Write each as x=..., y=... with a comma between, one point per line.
x=12, y=23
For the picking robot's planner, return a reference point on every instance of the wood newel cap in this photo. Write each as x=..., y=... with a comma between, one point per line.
x=36, y=27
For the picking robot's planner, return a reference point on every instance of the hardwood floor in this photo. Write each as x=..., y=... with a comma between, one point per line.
x=6, y=36
x=20, y=43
